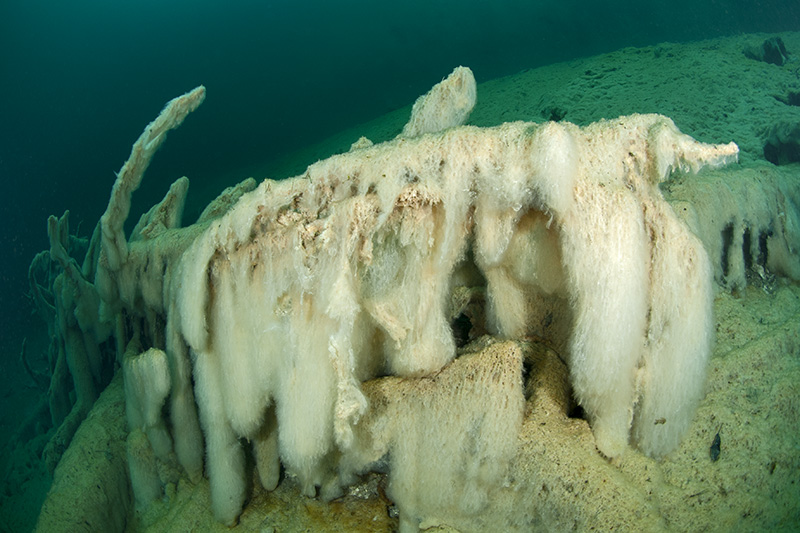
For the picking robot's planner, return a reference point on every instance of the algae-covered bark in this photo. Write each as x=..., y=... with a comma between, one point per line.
x=89, y=299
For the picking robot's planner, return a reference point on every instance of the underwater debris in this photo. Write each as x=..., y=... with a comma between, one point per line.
x=714, y=450
x=771, y=51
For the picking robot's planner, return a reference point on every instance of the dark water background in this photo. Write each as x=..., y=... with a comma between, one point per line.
x=79, y=81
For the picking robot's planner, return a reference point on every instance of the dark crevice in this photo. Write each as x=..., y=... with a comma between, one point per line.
x=761, y=260
x=727, y=240
x=554, y=113
x=791, y=98
x=782, y=153
x=747, y=249
x=527, y=368
x=577, y=412
x=461, y=327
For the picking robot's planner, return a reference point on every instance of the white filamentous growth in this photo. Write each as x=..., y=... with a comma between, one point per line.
x=308, y=286
x=147, y=384
x=448, y=104
x=285, y=298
